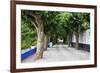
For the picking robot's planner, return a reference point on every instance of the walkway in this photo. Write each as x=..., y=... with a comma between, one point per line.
x=61, y=53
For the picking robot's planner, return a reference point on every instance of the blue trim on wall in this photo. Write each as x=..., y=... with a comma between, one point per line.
x=28, y=53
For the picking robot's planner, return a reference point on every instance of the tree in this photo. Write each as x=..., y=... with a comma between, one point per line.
x=35, y=17
x=44, y=23
x=80, y=23
x=64, y=22
x=28, y=34
x=51, y=25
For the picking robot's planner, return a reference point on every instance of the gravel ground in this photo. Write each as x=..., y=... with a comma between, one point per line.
x=61, y=53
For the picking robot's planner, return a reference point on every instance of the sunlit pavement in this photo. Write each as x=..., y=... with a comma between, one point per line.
x=61, y=52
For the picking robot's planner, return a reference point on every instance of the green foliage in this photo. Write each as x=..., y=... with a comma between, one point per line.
x=79, y=22
x=56, y=25
x=28, y=34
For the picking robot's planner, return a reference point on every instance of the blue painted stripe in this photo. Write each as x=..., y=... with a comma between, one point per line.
x=28, y=53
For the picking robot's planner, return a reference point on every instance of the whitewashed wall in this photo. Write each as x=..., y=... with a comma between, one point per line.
x=83, y=37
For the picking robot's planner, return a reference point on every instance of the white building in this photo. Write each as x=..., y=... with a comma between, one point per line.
x=84, y=40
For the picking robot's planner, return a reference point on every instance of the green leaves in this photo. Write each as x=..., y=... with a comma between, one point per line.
x=59, y=24
x=28, y=34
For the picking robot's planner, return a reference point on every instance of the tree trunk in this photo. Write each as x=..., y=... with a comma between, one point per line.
x=64, y=40
x=68, y=40
x=77, y=40
x=40, y=45
x=38, y=23
x=51, y=38
x=55, y=39
x=45, y=42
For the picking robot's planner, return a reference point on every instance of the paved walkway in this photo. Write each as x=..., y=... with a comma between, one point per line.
x=61, y=53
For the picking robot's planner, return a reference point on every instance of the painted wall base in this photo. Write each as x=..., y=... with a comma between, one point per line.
x=82, y=46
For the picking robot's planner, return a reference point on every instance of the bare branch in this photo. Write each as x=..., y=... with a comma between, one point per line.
x=34, y=25
x=36, y=19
